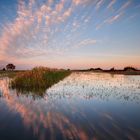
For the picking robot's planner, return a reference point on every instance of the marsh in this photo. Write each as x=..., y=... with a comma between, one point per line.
x=83, y=106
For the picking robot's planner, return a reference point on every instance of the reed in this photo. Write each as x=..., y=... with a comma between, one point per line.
x=38, y=79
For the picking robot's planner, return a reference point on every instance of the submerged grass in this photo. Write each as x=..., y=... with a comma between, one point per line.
x=38, y=79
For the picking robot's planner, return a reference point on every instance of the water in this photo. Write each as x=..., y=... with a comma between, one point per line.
x=84, y=106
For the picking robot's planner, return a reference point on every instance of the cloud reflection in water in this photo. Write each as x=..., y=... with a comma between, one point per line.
x=84, y=106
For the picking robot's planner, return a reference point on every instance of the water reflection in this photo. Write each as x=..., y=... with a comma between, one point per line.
x=99, y=86
x=76, y=108
x=35, y=92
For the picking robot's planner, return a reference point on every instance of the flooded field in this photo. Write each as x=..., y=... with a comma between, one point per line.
x=84, y=106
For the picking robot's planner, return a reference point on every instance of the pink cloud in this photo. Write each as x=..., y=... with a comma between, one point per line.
x=114, y=18
x=99, y=4
x=86, y=42
x=112, y=2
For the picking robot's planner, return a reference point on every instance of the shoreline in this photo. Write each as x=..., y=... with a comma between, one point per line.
x=111, y=72
x=122, y=72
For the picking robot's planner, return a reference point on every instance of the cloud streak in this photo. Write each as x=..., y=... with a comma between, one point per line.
x=114, y=18
x=99, y=4
x=116, y=15
x=29, y=24
x=86, y=42
x=110, y=5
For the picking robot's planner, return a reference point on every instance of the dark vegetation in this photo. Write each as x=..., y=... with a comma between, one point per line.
x=126, y=71
x=8, y=70
x=130, y=69
x=10, y=67
x=38, y=79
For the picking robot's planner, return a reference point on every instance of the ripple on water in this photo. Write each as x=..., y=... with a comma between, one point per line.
x=83, y=106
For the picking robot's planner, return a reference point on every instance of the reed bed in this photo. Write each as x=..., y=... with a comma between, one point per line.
x=38, y=79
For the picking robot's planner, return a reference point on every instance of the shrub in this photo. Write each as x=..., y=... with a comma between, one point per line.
x=130, y=68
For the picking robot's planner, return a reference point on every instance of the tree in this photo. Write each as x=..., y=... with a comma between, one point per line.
x=112, y=69
x=10, y=67
x=129, y=68
x=98, y=69
x=91, y=69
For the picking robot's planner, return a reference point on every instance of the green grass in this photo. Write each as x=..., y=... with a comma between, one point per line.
x=38, y=79
x=9, y=74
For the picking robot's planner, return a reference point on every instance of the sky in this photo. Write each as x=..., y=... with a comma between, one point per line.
x=75, y=34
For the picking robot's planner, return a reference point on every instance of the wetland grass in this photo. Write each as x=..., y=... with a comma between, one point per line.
x=38, y=79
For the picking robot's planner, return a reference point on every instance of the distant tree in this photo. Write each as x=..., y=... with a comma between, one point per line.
x=91, y=69
x=3, y=69
x=10, y=67
x=98, y=69
x=112, y=69
x=129, y=68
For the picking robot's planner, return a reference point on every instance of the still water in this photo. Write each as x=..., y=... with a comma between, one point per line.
x=84, y=106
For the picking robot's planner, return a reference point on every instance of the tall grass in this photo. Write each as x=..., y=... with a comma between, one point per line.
x=38, y=79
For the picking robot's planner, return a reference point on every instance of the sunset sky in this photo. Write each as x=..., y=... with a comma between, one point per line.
x=73, y=34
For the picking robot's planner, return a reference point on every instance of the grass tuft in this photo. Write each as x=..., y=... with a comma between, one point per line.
x=38, y=79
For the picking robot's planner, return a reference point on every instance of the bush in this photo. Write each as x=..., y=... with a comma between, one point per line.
x=129, y=68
